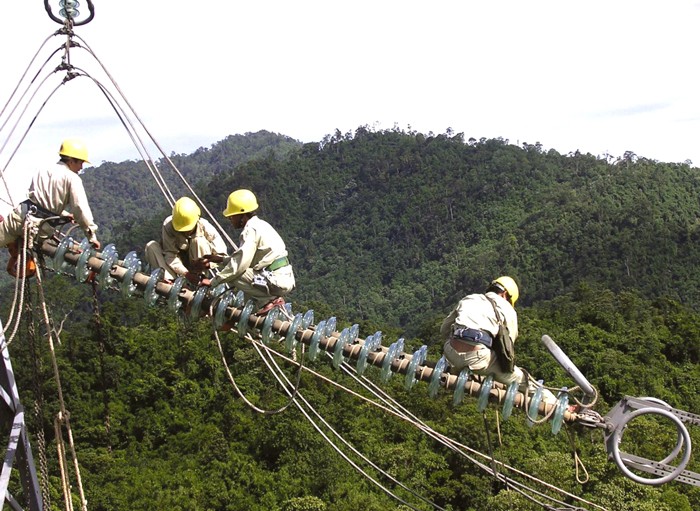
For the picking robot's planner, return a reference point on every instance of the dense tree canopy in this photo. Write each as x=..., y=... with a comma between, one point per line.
x=385, y=229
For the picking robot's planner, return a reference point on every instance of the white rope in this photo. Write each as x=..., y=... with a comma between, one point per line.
x=64, y=416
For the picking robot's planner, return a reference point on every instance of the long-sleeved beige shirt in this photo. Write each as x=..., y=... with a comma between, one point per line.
x=61, y=191
x=175, y=243
x=476, y=311
x=259, y=246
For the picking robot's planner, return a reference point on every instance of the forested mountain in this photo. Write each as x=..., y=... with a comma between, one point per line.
x=388, y=230
x=425, y=219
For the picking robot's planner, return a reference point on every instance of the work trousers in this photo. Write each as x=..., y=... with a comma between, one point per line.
x=12, y=228
x=264, y=286
x=483, y=361
x=198, y=248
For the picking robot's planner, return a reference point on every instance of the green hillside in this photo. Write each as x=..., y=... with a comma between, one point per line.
x=424, y=219
x=388, y=230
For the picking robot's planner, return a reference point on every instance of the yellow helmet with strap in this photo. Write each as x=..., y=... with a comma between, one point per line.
x=510, y=287
x=239, y=202
x=186, y=213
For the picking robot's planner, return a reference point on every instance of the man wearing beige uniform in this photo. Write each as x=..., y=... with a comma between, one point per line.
x=54, y=192
x=186, y=238
x=260, y=267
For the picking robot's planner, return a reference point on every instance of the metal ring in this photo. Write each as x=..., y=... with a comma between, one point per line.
x=510, y=399
x=417, y=358
x=562, y=405
x=291, y=339
x=109, y=258
x=220, y=314
x=617, y=439
x=267, y=325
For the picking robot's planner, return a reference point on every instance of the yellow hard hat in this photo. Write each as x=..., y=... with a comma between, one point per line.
x=186, y=213
x=510, y=287
x=74, y=148
x=239, y=202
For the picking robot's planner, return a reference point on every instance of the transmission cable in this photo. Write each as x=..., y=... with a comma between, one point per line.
x=155, y=142
x=328, y=440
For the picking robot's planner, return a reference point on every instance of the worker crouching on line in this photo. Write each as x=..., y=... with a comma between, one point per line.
x=54, y=192
x=473, y=324
x=260, y=267
x=186, y=238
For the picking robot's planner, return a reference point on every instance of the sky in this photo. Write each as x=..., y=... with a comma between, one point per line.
x=594, y=76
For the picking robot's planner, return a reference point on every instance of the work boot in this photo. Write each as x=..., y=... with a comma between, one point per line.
x=276, y=302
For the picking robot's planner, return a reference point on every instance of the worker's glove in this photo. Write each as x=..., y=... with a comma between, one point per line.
x=205, y=282
x=192, y=277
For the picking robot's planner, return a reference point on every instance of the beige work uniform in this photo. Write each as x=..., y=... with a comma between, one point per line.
x=247, y=268
x=59, y=190
x=475, y=311
x=177, y=249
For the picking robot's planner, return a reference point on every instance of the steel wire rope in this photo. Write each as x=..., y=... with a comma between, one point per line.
x=340, y=437
x=63, y=415
x=577, y=460
x=160, y=182
x=140, y=146
x=155, y=142
x=407, y=415
x=237, y=388
x=451, y=444
x=18, y=102
x=448, y=442
x=24, y=110
x=329, y=440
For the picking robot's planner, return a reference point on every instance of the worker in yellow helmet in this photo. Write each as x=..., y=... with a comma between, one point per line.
x=54, y=192
x=186, y=238
x=472, y=326
x=260, y=267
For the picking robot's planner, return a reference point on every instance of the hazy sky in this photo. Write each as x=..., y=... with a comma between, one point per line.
x=600, y=77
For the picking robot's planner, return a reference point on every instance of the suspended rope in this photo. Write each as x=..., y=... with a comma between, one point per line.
x=158, y=146
x=38, y=408
x=390, y=406
x=73, y=72
x=278, y=375
x=240, y=393
x=20, y=286
x=63, y=417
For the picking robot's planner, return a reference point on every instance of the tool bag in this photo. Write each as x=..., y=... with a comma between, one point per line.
x=502, y=343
